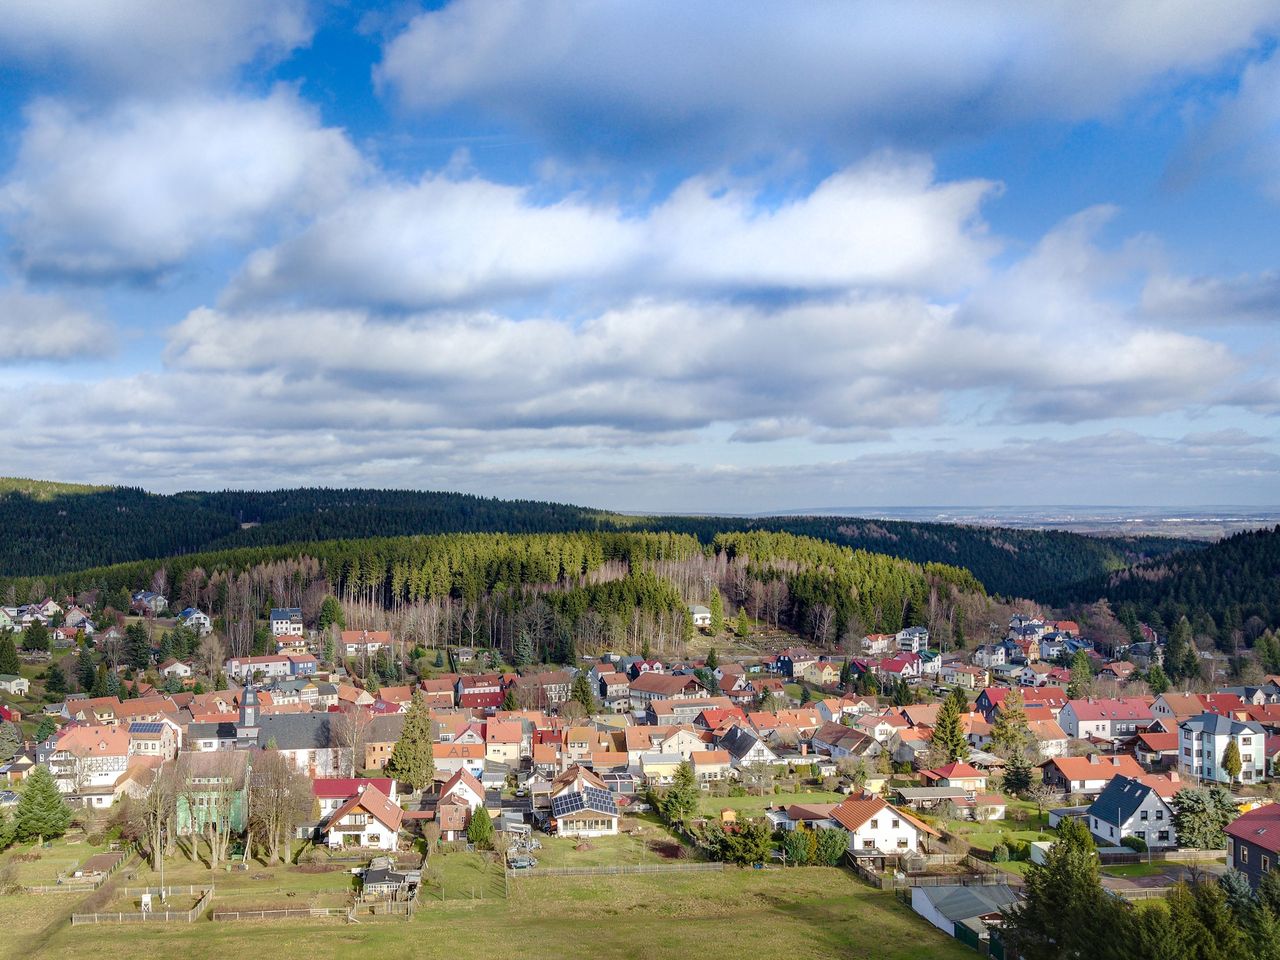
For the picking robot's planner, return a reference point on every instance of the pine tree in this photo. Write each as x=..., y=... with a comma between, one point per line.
x=8, y=655
x=949, y=742
x=1081, y=676
x=137, y=646
x=717, y=612
x=523, y=651
x=84, y=669
x=581, y=693
x=1017, y=771
x=331, y=614
x=1010, y=731
x=46, y=729
x=1157, y=680
x=36, y=638
x=480, y=829
x=42, y=813
x=55, y=682
x=680, y=802
x=1180, y=652
x=712, y=660
x=744, y=623
x=412, y=761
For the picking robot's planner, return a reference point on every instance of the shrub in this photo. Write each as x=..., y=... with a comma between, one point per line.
x=738, y=791
x=1134, y=843
x=1000, y=853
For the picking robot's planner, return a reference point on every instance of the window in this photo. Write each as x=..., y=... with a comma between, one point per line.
x=1266, y=863
x=1242, y=853
x=868, y=844
x=874, y=824
x=1164, y=836
x=903, y=843
x=1159, y=814
x=1143, y=815
x=896, y=823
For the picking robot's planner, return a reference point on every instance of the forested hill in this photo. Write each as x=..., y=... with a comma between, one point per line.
x=53, y=528
x=1232, y=585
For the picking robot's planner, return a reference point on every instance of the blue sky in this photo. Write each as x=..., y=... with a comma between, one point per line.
x=661, y=256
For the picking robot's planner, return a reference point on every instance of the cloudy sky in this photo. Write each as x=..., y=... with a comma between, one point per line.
x=713, y=256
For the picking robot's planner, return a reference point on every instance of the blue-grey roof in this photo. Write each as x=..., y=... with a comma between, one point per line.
x=1219, y=726
x=148, y=726
x=286, y=613
x=959, y=903
x=1120, y=800
x=296, y=731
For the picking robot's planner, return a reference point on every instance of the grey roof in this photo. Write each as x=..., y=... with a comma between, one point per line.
x=959, y=903
x=286, y=613
x=738, y=742
x=1220, y=726
x=931, y=793
x=296, y=731
x=385, y=728
x=219, y=730
x=1120, y=800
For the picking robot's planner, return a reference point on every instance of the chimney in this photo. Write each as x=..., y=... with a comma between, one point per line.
x=804, y=749
x=1093, y=758
x=1115, y=761
x=1173, y=776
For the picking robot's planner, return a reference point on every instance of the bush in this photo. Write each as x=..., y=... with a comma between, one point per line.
x=1000, y=853
x=1134, y=843
x=738, y=791
x=1019, y=850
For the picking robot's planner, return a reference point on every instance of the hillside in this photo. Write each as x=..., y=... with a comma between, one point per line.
x=54, y=528
x=1231, y=582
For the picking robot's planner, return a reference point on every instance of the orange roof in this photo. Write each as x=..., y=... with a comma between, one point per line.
x=1102, y=768
x=709, y=757
x=854, y=811
x=375, y=803
x=95, y=741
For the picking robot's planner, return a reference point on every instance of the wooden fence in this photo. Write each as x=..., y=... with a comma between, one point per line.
x=154, y=916
x=84, y=885
x=284, y=913
x=616, y=869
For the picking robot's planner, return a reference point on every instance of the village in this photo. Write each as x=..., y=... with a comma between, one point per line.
x=292, y=787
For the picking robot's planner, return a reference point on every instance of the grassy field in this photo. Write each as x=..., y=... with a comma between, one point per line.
x=1133, y=870
x=816, y=913
x=753, y=805
x=987, y=834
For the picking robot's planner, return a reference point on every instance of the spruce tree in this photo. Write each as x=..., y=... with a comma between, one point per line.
x=42, y=813
x=680, y=802
x=744, y=623
x=84, y=669
x=1010, y=731
x=717, y=611
x=8, y=655
x=412, y=761
x=949, y=742
x=1081, y=676
x=480, y=829
x=581, y=693
x=712, y=660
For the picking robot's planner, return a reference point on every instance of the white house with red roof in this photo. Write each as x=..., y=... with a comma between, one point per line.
x=332, y=792
x=1108, y=719
x=905, y=666
x=877, y=829
x=368, y=819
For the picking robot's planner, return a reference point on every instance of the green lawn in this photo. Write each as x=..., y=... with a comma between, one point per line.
x=61, y=857
x=817, y=913
x=988, y=833
x=753, y=805
x=1133, y=870
x=642, y=840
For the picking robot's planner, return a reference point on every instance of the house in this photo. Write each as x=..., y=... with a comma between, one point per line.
x=307, y=739
x=87, y=761
x=1127, y=807
x=155, y=738
x=148, y=603
x=958, y=776
x=905, y=666
x=1088, y=775
x=1203, y=740
x=1120, y=671
x=380, y=740
x=960, y=675
x=879, y=644
x=700, y=615
x=265, y=667
x=452, y=757
x=14, y=685
x=363, y=643
x=913, y=639
x=745, y=748
x=369, y=819
x=332, y=792
x=581, y=805
x=710, y=766
x=792, y=661
x=286, y=621
x=651, y=686
x=878, y=830
x=824, y=673
x=1253, y=842
x=176, y=669
x=1156, y=749
x=1049, y=737
x=989, y=655
x=215, y=790
x=840, y=741
x=1109, y=719
x=193, y=619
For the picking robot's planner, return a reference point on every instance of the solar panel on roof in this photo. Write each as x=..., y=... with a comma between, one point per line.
x=146, y=727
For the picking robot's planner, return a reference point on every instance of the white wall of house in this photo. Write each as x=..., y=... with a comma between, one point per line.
x=887, y=831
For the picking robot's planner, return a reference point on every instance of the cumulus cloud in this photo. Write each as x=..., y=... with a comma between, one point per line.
x=621, y=78
x=37, y=326
x=148, y=44
x=134, y=190
x=885, y=223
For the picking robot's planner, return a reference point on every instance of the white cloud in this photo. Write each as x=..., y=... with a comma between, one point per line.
x=36, y=326
x=148, y=44
x=885, y=223
x=136, y=189
x=624, y=78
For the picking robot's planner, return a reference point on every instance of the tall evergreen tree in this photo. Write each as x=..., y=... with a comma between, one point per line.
x=1081, y=676
x=581, y=693
x=84, y=669
x=1010, y=732
x=949, y=742
x=480, y=829
x=680, y=801
x=331, y=614
x=744, y=623
x=412, y=761
x=717, y=612
x=42, y=813
x=523, y=651
x=8, y=655
x=712, y=660
x=1232, y=763
x=137, y=646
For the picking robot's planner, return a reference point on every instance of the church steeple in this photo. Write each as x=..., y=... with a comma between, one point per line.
x=249, y=711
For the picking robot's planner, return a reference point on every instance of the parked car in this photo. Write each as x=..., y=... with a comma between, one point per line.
x=522, y=863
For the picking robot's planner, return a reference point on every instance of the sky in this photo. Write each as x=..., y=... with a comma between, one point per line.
x=721, y=256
